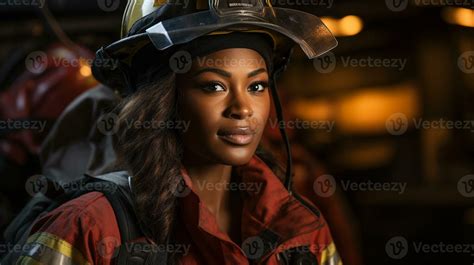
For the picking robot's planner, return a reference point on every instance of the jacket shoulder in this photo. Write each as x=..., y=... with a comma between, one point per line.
x=83, y=230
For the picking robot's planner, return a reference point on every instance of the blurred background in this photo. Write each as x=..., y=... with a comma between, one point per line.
x=387, y=117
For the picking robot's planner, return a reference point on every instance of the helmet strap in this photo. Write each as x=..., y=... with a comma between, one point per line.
x=279, y=113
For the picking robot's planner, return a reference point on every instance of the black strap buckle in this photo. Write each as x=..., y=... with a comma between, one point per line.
x=297, y=256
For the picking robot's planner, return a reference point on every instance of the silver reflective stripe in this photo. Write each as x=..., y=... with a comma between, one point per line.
x=46, y=255
x=333, y=260
x=46, y=248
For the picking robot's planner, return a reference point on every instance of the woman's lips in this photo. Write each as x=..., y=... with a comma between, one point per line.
x=237, y=135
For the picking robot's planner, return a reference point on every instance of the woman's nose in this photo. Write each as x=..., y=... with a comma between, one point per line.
x=240, y=107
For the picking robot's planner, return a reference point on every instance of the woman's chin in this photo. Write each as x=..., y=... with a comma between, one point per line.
x=236, y=156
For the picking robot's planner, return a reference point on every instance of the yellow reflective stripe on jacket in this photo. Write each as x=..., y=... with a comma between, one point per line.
x=50, y=249
x=329, y=256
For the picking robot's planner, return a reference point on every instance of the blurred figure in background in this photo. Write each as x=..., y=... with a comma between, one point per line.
x=30, y=106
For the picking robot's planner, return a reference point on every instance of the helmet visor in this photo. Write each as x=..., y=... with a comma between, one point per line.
x=303, y=28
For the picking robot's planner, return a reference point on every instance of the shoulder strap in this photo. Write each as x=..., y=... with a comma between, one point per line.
x=121, y=201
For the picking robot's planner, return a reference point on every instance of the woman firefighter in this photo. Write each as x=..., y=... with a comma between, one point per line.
x=203, y=190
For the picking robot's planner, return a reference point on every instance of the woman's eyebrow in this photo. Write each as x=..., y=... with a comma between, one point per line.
x=256, y=72
x=227, y=74
x=214, y=70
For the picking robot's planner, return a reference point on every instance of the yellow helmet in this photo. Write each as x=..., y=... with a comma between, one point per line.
x=152, y=27
x=135, y=10
x=168, y=23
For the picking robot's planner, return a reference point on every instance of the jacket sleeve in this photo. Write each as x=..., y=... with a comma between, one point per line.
x=83, y=231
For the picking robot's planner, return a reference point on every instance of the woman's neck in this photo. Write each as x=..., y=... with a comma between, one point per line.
x=211, y=183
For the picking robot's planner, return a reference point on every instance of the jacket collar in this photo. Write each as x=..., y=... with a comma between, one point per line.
x=267, y=205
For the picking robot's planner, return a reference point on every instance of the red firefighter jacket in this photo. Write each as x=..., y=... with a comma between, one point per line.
x=274, y=224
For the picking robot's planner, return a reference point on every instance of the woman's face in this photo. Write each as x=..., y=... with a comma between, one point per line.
x=225, y=97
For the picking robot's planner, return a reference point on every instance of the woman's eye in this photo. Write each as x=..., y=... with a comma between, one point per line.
x=258, y=87
x=213, y=87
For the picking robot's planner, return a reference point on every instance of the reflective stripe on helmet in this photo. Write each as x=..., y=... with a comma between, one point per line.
x=46, y=248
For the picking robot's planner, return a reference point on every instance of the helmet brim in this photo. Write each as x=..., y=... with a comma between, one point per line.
x=296, y=27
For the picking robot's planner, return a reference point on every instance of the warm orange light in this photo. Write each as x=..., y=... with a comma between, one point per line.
x=313, y=110
x=331, y=23
x=85, y=71
x=346, y=26
x=350, y=25
x=367, y=111
x=459, y=16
